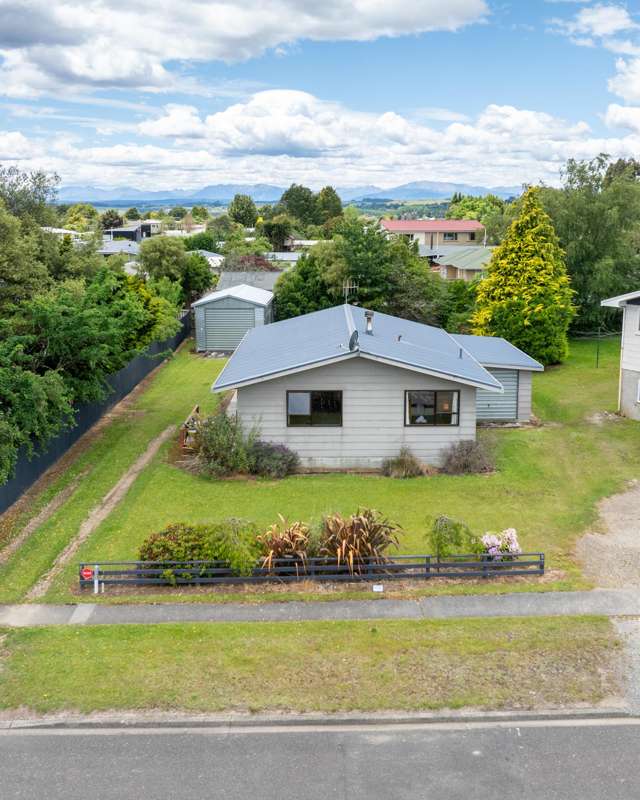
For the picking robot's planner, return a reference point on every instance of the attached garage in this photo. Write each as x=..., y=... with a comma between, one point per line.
x=223, y=318
x=491, y=406
x=509, y=365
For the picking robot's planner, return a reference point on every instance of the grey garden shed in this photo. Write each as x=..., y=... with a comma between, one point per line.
x=222, y=318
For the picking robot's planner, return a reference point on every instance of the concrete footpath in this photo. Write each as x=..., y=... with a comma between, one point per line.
x=607, y=602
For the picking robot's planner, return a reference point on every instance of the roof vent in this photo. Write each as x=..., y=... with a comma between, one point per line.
x=368, y=316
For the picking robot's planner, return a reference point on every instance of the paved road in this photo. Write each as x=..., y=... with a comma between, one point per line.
x=610, y=602
x=571, y=761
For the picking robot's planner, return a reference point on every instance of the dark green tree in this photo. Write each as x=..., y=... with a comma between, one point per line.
x=277, y=229
x=132, y=214
x=301, y=203
x=29, y=193
x=243, y=210
x=328, y=205
x=178, y=212
x=111, y=219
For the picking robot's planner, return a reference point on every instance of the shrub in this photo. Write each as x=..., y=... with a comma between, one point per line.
x=501, y=546
x=221, y=445
x=404, y=465
x=352, y=540
x=272, y=460
x=232, y=540
x=450, y=537
x=463, y=458
x=284, y=540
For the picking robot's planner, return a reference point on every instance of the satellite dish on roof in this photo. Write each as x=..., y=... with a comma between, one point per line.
x=353, y=341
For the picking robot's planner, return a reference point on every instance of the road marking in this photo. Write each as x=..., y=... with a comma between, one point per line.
x=230, y=730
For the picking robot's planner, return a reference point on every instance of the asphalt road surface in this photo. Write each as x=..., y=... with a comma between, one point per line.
x=570, y=761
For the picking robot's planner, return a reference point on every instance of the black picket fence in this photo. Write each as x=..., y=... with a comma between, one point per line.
x=28, y=470
x=196, y=573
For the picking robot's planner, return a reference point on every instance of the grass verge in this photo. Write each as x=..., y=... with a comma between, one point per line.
x=312, y=666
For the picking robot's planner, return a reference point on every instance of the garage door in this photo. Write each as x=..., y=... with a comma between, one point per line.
x=490, y=405
x=225, y=327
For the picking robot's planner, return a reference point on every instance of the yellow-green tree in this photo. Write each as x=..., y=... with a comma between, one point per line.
x=527, y=297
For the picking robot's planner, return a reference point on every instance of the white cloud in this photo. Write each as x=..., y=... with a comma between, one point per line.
x=626, y=82
x=601, y=21
x=623, y=117
x=112, y=43
x=281, y=136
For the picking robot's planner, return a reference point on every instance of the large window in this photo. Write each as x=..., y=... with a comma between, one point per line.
x=314, y=408
x=450, y=237
x=431, y=408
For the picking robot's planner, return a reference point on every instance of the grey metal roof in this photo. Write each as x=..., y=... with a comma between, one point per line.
x=475, y=258
x=323, y=337
x=258, y=279
x=259, y=297
x=113, y=247
x=291, y=258
x=492, y=351
x=206, y=253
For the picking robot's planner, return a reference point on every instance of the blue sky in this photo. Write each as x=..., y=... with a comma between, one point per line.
x=160, y=95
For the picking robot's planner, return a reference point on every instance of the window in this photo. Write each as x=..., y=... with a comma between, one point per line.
x=472, y=236
x=431, y=408
x=314, y=408
x=451, y=237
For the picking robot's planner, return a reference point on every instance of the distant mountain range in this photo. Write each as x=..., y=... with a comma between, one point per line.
x=264, y=192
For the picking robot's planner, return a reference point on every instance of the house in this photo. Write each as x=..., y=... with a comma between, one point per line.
x=457, y=263
x=118, y=247
x=259, y=279
x=61, y=233
x=283, y=257
x=215, y=259
x=629, y=386
x=295, y=244
x=347, y=388
x=136, y=231
x=223, y=317
x=437, y=232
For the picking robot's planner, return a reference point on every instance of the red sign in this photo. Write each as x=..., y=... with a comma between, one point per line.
x=86, y=573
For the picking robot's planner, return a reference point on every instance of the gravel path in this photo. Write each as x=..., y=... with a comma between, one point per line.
x=612, y=558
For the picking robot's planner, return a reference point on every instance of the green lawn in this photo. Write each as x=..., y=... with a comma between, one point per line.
x=547, y=484
x=311, y=666
x=174, y=390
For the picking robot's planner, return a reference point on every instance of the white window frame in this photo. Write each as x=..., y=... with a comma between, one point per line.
x=638, y=392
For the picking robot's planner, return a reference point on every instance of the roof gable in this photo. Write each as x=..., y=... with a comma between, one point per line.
x=261, y=297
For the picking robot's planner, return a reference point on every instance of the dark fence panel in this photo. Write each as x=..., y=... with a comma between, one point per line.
x=195, y=573
x=28, y=470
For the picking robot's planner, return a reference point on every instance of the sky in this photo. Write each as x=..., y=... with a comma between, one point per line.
x=163, y=95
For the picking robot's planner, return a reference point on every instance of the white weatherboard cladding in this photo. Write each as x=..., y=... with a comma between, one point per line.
x=500, y=406
x=631, y=338
x=372, y=415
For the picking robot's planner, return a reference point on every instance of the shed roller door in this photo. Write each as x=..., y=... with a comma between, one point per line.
x=225, y=327
x=490, y=405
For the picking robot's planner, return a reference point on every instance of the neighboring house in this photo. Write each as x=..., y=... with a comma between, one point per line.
x=136, y=231
x=293, y=243
x=258, y=279
x=223, y=317
x=457, y=263
x=117, y=247
x=347, y=388
x=629, y=386
x=60, y=233
x=437, y=232
x=215, y=259
x=284, y=258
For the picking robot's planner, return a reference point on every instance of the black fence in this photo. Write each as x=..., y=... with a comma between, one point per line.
x=196, y=573
x=28, y=470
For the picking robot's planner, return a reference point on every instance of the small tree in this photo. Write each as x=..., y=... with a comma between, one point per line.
x=277, y=230
x=111, y=219
x=243, y=210
x=526, y=297
x=329, y=204
x=163, y=257
x=301, y=203
x=132, y=213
